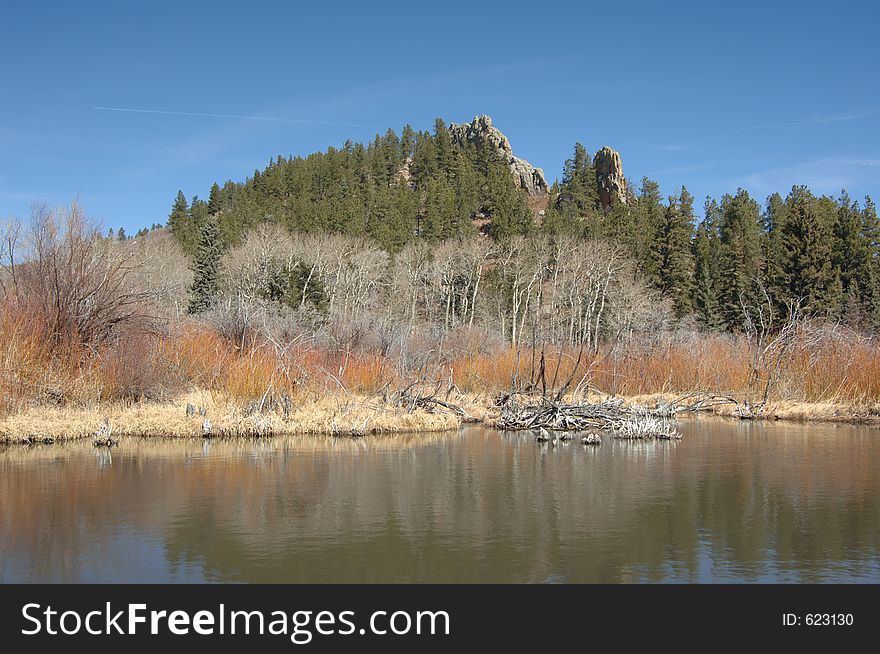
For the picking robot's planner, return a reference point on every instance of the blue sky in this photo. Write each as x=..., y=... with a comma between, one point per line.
x=710, y=95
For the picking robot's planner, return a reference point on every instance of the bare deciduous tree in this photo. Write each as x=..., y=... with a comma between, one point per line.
x=75, y=285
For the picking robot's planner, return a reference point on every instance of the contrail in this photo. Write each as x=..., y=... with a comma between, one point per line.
x=300, y=121
x=817, y=121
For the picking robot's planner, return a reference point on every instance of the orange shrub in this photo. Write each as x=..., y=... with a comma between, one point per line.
x=842, y=370
x=834, y=368
x=205, y=359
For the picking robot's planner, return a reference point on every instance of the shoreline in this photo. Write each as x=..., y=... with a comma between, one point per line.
x=217, y=417
x=211, y=416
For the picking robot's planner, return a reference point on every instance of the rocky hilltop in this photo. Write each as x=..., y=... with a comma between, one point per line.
x=481, y=133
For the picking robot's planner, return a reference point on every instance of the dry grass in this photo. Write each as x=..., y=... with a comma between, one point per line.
x=775, y=410
x=328, y=414
x=839, y=372
x=337, y=414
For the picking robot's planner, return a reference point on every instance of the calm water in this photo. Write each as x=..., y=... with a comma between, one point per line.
x=730, y=502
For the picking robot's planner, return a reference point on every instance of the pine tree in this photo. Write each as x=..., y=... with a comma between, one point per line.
x=578, y=194
x=775, y=215
x=616, y=222
x=465, y=186
x=215, y=203
x=198, y=216
x=675, y=271
x=407, y=142
x=424, y=163
x=807, y=273
x=394, y=218
x=390, y=147
x=507, y=206
x=180, y=224
x=706, y=248
x=440, y=216
x=645, y=233
x=258, y=182
x=206, y=268
x=871, y=236
x=741, y=273
x=445, y=151
x=852, y=260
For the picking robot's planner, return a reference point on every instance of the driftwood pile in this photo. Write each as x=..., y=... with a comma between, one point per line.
x=634, y=422
x=416, y=395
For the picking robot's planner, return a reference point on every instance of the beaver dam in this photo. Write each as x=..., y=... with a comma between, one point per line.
x=633, y=422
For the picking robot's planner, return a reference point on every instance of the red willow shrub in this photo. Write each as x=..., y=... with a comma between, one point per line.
x=841, y=368
x=69, y=310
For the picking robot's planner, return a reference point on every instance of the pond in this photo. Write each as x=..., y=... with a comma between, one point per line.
x=730, y=502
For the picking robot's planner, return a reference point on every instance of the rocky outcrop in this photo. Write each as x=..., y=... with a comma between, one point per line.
x=609, y=178
x=482, y=134
x=527, y=177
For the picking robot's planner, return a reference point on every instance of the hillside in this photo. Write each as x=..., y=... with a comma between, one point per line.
x=460, y=179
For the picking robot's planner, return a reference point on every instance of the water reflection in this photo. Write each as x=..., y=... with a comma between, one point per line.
x=730, y=502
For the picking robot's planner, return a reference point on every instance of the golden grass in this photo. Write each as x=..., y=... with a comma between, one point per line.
x=774, y=410
x=329, y=414
x=823, y=411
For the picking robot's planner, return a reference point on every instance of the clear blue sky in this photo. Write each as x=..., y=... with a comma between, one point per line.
x=711, y=95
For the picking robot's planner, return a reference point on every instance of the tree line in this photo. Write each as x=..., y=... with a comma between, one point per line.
x=819, y=251
x=394, y=189
x=738, y=262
